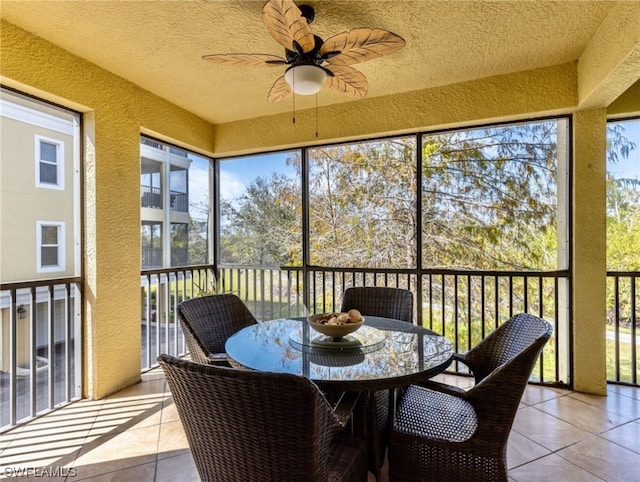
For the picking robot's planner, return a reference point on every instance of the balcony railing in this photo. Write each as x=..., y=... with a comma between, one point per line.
x=162, y=291
x=179, y=201
x=465, y=306
x=151, y=197
x=40, y=360
x=623, y=337
x=151, y=257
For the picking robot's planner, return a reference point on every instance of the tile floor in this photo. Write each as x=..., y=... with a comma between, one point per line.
x=135, y=435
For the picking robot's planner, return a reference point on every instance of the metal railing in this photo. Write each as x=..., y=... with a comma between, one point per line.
x=162, y=290
x=179, y=201
x=623, y=300
x=465, y=306
x=150, y=197
x=151, y=257
x=41, y=348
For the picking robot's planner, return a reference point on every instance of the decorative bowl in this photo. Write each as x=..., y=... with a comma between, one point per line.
x=334, y=331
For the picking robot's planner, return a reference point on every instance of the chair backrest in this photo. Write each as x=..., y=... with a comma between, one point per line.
x=510, y=353
x=249, y=425
x=506, y=342
x=207, y=322
x=381, y=301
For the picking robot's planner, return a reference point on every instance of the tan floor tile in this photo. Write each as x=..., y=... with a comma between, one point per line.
x=6, y=438
x=180, y=468
x=136, y=435
x=547, y=430
x=169, y=411
x=627, y=435
x=139, y=473
x=551, y=468
x=119, y=451
x=120, y=413
x=35, y=474
x=155, y=374
x=128, y=416
x=173, y=440
x=607, y=460
x=582, y=415
x=614, y=402
x=521, y=450
x=626, y=390
x=149, y=388
x=534, y=394
x=458, y=381
x=44, y=447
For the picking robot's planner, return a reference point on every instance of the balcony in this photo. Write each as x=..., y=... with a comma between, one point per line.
x=136, y=434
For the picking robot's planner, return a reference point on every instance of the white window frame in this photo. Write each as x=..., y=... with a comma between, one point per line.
x=59, y=162
x=61, y=266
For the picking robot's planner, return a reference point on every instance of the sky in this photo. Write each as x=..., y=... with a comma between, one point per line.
x=629, y=168
x=237, y=173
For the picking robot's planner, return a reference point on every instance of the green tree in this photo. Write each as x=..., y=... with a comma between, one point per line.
x=263, y=226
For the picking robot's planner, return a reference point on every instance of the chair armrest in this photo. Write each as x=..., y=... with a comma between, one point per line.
x=345, y=406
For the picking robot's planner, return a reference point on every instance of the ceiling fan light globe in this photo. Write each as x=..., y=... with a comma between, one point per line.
x=305, y=79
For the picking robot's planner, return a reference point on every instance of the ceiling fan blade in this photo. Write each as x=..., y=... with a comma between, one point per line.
x=347, y=80
x=287, y=26
x=360, y=44
x=249, y=60
x=279, y=90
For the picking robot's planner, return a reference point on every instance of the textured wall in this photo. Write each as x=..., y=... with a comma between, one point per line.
x=589, y=251
x=115, y=113
x=545, y=91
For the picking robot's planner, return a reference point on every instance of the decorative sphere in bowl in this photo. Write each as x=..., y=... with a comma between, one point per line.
x=336, y=325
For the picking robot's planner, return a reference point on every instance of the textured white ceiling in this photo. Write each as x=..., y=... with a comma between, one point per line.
x=158, y=44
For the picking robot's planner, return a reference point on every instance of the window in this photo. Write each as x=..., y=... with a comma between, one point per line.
x=179, y=244
x=490, y=197
x=623, y=195
x=260, y=209
x=151, y=184
x=176, y=184
x=50, y=242
x=151, y=244
x=362, y=204
x=49, y=163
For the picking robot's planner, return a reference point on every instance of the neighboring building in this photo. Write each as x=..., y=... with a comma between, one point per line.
x=164, y=201
x=39, y=224
x=39, y=215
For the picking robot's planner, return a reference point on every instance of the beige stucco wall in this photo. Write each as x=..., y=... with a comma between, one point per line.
x=589, y=251
x=627, y=104
x=506, y=97
x=116, y=112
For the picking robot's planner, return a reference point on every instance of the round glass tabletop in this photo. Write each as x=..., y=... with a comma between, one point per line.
x=391, y=353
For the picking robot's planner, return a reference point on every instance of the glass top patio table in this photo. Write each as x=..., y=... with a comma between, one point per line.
x=384, y=353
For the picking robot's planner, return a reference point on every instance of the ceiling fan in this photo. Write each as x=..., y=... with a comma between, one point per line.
x=313, y=63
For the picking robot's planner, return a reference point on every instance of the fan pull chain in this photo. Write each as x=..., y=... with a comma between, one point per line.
x=316, y=115
x=293, y=88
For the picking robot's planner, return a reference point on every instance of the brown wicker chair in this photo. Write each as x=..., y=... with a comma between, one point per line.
x=446, y=433
x=381, y=301
x=247, y=425
x=208, y=321
x=386, y=302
